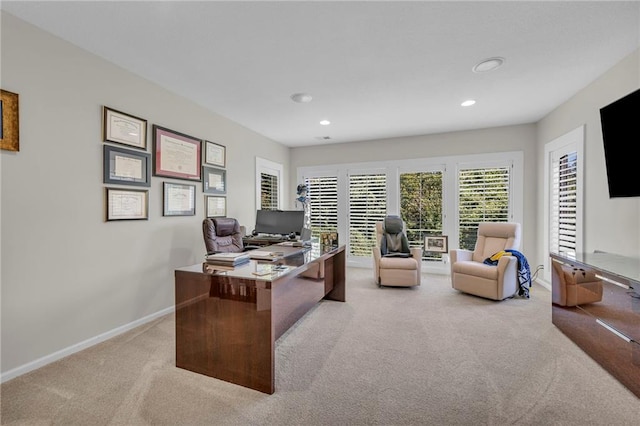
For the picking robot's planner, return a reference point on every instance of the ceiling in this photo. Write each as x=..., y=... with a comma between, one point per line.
x=374, y=69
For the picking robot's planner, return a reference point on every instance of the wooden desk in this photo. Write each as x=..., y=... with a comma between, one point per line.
x=227, y=321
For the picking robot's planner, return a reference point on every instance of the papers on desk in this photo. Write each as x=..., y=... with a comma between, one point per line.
x=229, y=259
x=265, y=255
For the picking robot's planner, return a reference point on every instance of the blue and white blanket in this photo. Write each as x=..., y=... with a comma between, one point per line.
x=524, y=272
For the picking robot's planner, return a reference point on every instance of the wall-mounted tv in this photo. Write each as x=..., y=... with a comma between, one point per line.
x=621, y=133
x=280, y=222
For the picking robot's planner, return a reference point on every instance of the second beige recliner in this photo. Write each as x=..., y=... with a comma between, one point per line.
x=470, y=275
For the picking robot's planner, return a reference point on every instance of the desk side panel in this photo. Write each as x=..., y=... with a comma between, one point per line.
x=224, y=329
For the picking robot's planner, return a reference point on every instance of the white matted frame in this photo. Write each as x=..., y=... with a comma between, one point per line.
x=216, y=206
x=215, y=154
x=179, y=199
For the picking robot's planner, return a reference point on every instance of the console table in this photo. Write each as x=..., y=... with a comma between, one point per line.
x=596, y=303
x=228, y=319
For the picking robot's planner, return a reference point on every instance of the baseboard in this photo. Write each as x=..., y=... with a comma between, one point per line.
x=48, y=359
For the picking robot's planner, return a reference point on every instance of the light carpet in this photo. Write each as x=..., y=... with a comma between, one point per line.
x=388, y=356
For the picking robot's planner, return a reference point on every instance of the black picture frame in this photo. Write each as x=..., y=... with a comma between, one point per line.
x=123, y=128
x=123, y=166
x=126, y=204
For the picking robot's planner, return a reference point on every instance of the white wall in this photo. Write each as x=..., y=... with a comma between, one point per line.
x=482, y=141
x=609, y=224
x=67, y=275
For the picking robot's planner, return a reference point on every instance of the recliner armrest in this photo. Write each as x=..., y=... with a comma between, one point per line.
x=459, y=255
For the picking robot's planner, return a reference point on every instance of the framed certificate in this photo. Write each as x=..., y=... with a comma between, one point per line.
x=216, y=205
x=214, y=154
x=123, y=128
x=126, y=167
x=179, y=199
x=127, y=204
x=214, y=180
x=175, y=154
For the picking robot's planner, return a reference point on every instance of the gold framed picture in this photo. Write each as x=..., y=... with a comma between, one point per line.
x=9, y=121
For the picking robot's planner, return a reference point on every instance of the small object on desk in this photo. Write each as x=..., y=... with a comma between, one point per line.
x=233, y=259
x=265, y=255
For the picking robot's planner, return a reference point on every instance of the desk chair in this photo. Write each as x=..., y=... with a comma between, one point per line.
x=223, y=234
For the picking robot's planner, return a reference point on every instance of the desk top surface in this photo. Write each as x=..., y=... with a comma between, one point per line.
x=294, y=258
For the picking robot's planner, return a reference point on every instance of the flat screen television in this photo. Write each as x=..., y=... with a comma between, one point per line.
x=620, y=133
x=280, y=222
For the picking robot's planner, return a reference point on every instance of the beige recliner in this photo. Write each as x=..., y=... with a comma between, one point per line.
x=470, y=275
x=393, y=269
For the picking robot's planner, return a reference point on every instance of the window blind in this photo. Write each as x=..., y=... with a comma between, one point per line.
x=367, y=205
x=563, y=211
x=323, y=203
x=268, y=191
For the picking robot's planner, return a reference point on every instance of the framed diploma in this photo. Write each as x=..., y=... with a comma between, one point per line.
x=175, y=154
x=123, y=128
x=179, y=199
x=214, y=180
x=214, y=154
x=9, y=122
x=127, y=204
x=216, y=205
x=126, y=167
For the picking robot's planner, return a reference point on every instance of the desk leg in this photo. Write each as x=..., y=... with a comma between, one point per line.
x=335, y=277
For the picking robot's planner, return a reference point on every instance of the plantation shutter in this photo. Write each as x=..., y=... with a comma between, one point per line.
x=268, y=191
x=483, y=197
x=367, y=205
x=563, y=205
x=323, y=203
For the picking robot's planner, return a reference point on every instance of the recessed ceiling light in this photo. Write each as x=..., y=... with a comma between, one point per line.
x=325, y=122
x=301, y=98
x=488, y=64
x=468, y=102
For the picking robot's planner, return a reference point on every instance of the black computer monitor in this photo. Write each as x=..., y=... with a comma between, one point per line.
x=281, y=222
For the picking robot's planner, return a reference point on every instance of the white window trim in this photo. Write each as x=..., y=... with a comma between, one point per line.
x=271, y=168
x=573, y=141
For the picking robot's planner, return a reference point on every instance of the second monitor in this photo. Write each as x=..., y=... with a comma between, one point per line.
x=280, y=222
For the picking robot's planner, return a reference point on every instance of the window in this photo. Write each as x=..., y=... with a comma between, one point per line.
x=367, y=205
x=268, y=191
x=350, y=198
x=322, y=192
x=421, y=207
x=563, y=204
x=268, y=184
x=483, y=196
x=563, y=196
